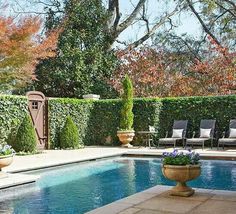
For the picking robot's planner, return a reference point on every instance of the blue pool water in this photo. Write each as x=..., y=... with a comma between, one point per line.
x=82, y=187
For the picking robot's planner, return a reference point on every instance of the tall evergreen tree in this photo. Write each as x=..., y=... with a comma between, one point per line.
x=83, y=63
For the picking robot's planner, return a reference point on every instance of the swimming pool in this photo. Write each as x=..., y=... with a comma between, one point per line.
x=79, y=188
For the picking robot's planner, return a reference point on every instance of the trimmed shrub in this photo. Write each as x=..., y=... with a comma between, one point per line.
x=25, y=140
x=127, y=116
x=69, y=137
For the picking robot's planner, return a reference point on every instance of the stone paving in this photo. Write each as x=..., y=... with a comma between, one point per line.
x=157, y=200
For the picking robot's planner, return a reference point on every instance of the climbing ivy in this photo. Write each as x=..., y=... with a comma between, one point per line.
x=12, y=111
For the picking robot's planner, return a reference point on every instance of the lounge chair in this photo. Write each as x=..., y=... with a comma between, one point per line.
x=229, y=137
x=207, y=132
x=178, y=133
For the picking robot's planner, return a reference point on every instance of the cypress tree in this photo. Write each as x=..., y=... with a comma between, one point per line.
x=127, y=116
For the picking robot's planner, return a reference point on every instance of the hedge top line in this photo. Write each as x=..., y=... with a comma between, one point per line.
x=151, y=99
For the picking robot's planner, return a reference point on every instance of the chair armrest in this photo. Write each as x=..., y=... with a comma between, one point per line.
x=223, y=134
x=184, y=134
x=166, y=134
x=194, y=133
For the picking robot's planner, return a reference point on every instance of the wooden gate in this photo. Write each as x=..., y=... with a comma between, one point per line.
x=37, y=105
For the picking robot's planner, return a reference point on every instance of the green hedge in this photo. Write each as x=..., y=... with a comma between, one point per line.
x=98, y=121
x=59, y=109
x=221, y=108
x=12, y=111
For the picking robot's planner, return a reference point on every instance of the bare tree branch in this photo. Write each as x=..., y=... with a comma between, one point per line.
x=114, y=12
x=231, y=3
x=145, y=19
x=152, y=31
x=203, y=24
x=121, y=27
x=226, y=10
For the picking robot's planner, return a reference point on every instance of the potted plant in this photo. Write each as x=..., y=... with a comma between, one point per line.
x=6, y=157
x=181, y=167
x=126, y=131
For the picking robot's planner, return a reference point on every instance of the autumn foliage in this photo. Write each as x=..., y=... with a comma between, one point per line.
x=216, y=75
x=151, y=72
x=21, y=48
x=154, y=74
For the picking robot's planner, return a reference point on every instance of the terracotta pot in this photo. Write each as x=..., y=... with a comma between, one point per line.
x=181, y=174
x=126, y=137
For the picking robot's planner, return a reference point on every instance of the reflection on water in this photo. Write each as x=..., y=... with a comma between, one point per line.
x=83, y=187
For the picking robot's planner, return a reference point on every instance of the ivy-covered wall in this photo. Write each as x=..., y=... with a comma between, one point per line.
x=193, y=109
x=12, y=111
x=80, y=112
x=98, y=121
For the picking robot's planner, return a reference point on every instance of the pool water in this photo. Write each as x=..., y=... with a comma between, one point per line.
x=79, y=188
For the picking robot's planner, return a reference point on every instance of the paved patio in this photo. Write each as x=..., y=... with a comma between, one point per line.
x=156, y=200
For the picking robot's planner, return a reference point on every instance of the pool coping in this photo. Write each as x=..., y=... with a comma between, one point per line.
x=14, y=180
x=46, y=166
x=129, y=153
x=146, y=202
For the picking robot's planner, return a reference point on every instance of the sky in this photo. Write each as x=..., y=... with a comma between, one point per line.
x=187, y=22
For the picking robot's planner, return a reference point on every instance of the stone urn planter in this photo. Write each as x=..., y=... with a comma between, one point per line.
x=5, y=161
x=126, y=137
x=181, y=174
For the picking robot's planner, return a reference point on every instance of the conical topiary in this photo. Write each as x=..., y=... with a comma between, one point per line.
x=25, y=140
x=127, y=116
x=69, y=137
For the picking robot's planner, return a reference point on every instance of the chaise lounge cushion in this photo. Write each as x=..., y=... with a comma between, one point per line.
x=177, y=133
x=170, y=139
x=196, y=140
x=227, y=140
x=205, y=133
x=232, y=133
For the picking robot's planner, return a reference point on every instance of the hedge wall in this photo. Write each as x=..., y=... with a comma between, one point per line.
x=59, y=109
x=98, y=120
x=221, y=108
x=13, y=109
x=105, y=119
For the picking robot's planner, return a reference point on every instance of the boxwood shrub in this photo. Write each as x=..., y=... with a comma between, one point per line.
x=69, y=137
x=25, y=139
